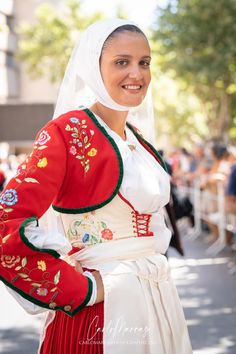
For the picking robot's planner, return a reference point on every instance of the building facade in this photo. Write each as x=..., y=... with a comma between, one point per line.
x=25, y=104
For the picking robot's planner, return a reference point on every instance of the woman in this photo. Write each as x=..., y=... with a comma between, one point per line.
x=107, y=186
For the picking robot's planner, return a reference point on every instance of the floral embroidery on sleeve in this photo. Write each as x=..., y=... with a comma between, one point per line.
x=43, y=138
x=42, y=284
x=24, y=175
x=9, y=197
x=81, y=138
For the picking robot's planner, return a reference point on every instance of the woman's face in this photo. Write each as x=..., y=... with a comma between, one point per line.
x=125, y=68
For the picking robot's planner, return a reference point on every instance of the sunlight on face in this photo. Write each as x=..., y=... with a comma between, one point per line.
x=125, y=67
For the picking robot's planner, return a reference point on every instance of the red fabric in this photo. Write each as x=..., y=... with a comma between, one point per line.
x=83, y=188
x=73, y=165
x=80, y=334
x=40, y=276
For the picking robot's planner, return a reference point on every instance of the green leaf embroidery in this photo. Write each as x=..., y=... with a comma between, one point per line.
x=24, y=262
x=23, y=275
x=104, y=225
x=94, y=239
x=57, y=277
x=18, y=268
x=78, y=222
x=32, y=180
x=53, y=289
x=87, y=167
x=4, y=240
x=36, y=285
x=8, y=210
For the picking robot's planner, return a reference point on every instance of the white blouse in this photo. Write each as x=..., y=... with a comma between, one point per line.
x=145, y=184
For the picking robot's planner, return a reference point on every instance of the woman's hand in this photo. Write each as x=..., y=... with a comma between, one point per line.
x=98, y=278
x=100, y=287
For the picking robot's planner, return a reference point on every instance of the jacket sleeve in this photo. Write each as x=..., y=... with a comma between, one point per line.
x=38, y=274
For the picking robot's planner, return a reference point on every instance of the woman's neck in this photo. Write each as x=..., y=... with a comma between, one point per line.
x=114, y=119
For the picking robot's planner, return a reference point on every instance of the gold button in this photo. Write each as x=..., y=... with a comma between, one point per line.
x=52, y=305
x=67, y=308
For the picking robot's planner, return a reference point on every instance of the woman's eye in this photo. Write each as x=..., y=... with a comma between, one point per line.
x=144, y=63
x=122, y=62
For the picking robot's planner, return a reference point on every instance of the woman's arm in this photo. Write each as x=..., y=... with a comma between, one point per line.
x=38, y=274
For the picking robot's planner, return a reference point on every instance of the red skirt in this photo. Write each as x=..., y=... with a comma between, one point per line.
x=80, y=334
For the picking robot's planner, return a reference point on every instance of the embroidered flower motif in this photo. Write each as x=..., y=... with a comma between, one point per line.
x=107, y=234
x=43, y=138
x=42, y=265
x=9, y=261
x=42, y=162
x=88, y=231
x=74, y=120
x=92, y=152
x=42, y=291
x=73, y=150
x=81, y=139
x=85, y=238
x=9, y=197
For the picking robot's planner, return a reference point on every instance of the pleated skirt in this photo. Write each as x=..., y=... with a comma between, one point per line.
x=80, y=334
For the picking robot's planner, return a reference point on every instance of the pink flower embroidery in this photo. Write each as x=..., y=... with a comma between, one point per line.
x=73, y=150
x=9, y=261
x=107, y=234
x=43, y=138
x=42, y=291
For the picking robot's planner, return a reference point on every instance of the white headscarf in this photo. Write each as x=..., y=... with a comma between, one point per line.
x=82, y=84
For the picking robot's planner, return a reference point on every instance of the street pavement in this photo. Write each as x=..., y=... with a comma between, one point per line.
x=206, y=289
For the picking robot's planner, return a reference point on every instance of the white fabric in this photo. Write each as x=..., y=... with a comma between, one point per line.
x=82, y=77
x=83, y=85
x=145, y=184
x=142, y=312
x=94, y=292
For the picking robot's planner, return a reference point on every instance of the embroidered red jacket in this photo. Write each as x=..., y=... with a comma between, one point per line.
x=75, y=166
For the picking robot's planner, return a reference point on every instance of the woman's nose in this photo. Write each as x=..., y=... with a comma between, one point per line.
x=135, y=73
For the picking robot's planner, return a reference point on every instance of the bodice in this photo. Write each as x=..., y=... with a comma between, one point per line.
x=116, y=220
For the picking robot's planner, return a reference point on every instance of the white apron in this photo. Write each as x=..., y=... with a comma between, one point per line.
x=142, y=311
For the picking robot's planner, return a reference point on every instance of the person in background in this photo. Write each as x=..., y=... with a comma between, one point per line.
x=175, y=240
x=230, y=202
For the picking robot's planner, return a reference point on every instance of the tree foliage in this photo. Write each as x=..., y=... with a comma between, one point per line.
x=46, y=45
x=196, y=42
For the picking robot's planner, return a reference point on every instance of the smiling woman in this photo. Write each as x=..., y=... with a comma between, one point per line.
x=125, y=62
x=97, y=264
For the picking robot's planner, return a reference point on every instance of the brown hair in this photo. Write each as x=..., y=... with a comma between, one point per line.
x=129, y=28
